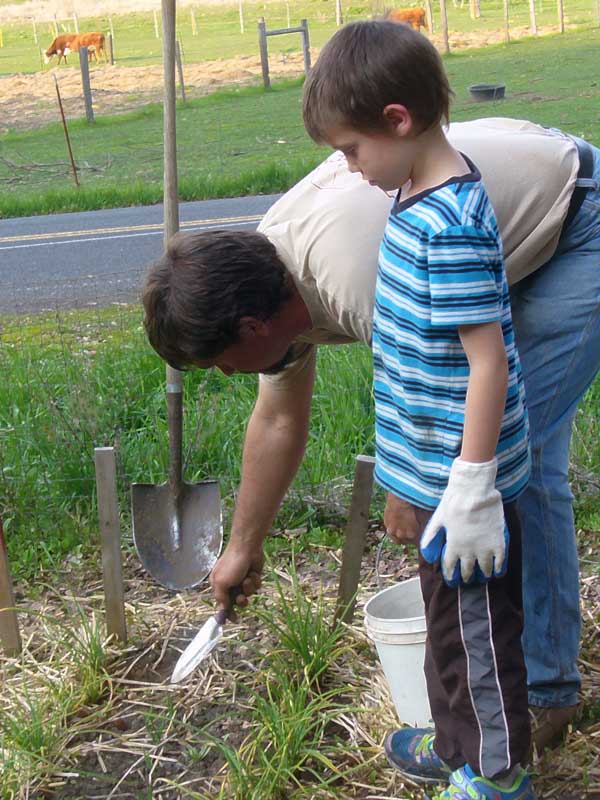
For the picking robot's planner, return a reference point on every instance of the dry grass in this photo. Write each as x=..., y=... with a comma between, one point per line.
x=116, y=727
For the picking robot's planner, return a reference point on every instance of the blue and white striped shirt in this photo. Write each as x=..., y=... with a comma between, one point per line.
x=440, y=267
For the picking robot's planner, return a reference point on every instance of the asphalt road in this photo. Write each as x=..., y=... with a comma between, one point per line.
x=99, y=257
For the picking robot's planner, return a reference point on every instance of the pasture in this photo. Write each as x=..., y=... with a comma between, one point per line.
x=287, y=707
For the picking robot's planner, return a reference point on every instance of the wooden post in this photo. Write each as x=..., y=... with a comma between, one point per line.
x=66, y=130
x=355, y=537
x=194, y=23
x=561, y=16
x=171, y=208
x=444, y=17
x=35, y=36
x=85, y=82
x=111, y=49
x=264, y=53
x=180, y=69
x=156, y=25
x=110, y=537
x=305, y=45
x=532, y=20
x=429, y=16
x=472, y=9
x=339, y=19
x=76, y=22
x=506, y=22
x=9, y=624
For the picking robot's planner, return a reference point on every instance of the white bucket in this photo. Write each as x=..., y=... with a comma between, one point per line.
x=395, y=621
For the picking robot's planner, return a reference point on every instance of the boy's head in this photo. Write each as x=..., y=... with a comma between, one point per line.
x=365, y=68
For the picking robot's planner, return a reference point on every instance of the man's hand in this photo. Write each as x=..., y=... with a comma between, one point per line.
x=467, y=530
x=239, y=565
x=403, y=522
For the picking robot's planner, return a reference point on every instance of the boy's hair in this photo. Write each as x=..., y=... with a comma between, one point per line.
x=368, y=65
x=196, y=294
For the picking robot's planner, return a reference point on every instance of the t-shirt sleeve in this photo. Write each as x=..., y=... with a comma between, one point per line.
x=465, y=277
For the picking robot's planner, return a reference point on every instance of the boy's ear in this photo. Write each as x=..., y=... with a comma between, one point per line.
x=399, y=117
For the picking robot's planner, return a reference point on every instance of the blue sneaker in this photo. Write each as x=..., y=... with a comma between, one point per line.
x=466, y=785
x=410, y=751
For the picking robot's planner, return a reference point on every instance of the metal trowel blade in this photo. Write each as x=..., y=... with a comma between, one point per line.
x=198, y=649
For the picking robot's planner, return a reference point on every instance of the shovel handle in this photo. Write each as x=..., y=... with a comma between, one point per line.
x=223, y=614
x=175, y=422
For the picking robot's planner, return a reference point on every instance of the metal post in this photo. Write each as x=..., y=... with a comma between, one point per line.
x=171, y=209
x=287, y=15
x=85, y=81
x=533, y=22
x=429, y=16
x=561, y=16
x=339, y=18
x=35, y=36
x=305, y=45
x=506, y=22
x=110, y=537
x=180, y=69
x=241, y=16
x=444, y=26
x=156, y=25
x=66, y=130
x=110, y=48
x=55, y=27
x=355, y=537
x=194, y=23
x=76, y=22
x=110, y=25
x=264, y=53
x=9, y=624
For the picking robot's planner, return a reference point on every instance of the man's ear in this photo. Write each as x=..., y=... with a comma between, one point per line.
x=251, y=326
x=400, y=118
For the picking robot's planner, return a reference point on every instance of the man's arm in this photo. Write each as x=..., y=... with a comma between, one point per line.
x=273, y=449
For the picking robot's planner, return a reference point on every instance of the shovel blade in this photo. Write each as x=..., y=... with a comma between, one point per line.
x=184, y=560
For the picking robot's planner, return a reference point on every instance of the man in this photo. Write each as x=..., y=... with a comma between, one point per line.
x=261, y=302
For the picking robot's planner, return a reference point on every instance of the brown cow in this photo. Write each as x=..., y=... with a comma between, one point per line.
x=94, y=42
x=60, y=47
x=415, y=17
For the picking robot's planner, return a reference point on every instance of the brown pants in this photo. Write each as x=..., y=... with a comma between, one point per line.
x=474, y=665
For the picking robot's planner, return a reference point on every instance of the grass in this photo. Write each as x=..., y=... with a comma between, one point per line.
x=248, y=140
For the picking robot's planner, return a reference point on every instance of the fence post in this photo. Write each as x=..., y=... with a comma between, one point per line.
x=76, y=22
x=85, y=81
x=194, y=23
x=305, y=45
x=264, y=53
x=156, y=25
x=110, y=25
x=180, y=69
x=506, y=22
x=354, y=537
x=9, y=624
x=55, y=24
x=532, y=20
x=561, y=16
x=110, y=536
x=597, y=11
x=429, y=15
x=444, y=17
x=287, y=15
x=339, y=19
x=110, y=49
x=66, y=130
x=35, y=36
x=241, y=16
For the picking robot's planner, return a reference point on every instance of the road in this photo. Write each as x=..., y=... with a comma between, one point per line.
x=99, y=257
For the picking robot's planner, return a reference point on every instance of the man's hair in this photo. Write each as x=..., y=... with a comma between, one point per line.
x=368, y=65
x=196, y=294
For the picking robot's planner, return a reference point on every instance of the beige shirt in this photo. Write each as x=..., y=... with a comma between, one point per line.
x=328, y=227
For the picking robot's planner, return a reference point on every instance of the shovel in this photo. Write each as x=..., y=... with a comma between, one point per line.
x=177, y=528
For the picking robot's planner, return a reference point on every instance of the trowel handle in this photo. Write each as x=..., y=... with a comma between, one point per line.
x=175, y=422
x=223, y=614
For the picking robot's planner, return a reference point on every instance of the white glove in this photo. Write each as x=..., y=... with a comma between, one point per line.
x=468, y=528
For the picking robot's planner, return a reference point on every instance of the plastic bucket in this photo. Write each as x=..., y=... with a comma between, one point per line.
x=395, y=621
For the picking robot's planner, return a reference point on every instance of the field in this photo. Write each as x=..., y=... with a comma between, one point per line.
x=288, y=706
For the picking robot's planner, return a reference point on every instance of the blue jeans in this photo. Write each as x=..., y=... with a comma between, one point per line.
x=556, y=316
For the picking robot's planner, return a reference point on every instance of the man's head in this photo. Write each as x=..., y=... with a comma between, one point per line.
x=377, y=87
x=211, y=299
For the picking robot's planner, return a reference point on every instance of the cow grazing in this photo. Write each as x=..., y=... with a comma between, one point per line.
x=60, y=47
x=415, y=17
x=95, y=43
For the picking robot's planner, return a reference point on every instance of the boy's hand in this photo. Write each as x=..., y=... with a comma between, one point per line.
x=403, y=522
x=467, y=530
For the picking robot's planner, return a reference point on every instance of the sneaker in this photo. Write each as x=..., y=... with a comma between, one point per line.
x=466, y=785
x=549, y=726
x=410, y=751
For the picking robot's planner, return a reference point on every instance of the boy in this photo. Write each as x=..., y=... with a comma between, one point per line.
x=451, y=425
